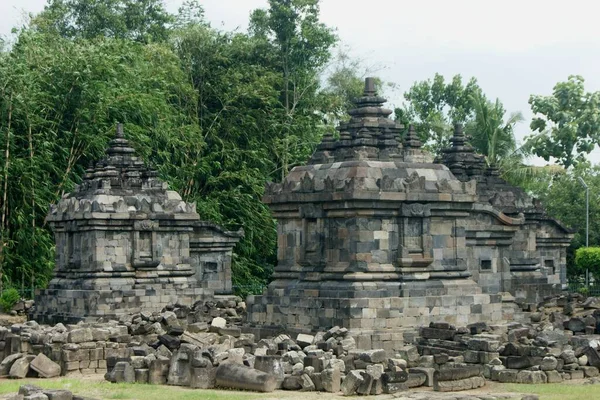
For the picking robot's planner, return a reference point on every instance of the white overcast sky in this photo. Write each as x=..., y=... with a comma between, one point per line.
x=514, y=48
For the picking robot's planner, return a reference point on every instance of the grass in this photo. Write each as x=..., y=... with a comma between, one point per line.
x=123, y=391
x=556, y=391
x=108, y=391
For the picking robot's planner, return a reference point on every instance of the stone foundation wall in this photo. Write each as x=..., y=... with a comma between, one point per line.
x=68, y=306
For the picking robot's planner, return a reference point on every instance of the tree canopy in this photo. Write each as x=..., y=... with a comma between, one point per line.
x=567, y=123
x=207, y=109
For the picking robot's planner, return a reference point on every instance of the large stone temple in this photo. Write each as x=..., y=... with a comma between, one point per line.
x=124, y=243
x=376, y=237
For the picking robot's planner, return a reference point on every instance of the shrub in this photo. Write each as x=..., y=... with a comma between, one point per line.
x=9, y=298
x=588, y=258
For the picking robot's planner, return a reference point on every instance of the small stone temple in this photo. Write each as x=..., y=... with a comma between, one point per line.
x=125, y=243
x=376, y=237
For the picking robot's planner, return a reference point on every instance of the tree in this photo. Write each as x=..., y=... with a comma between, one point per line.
x=489, y=133
x=434, y=106
x=143, y=21
x=567, y=123
x=298, y=46
x=564, y=199
x=60, y=100
x=346, y=82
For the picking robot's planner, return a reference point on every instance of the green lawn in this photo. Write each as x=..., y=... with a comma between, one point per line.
x=557, y=391
x=106, y=390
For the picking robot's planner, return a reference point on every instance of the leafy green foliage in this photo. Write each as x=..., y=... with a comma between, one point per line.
x=60, y=101
x=217, y=114
x=297, y=47
x=563, y=197
x=588, y=258
x=434, y=106
x=9, y=298
x=143, y=21
x=345, y=83
x=567, y=123
x=489, y=133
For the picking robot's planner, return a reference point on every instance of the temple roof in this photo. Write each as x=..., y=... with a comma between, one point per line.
x=122, y=183
x=368, y=161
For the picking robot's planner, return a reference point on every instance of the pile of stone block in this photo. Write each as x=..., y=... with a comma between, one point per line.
x=90, y=348
x=514, y=352
x=222, y=356
x=33, y=392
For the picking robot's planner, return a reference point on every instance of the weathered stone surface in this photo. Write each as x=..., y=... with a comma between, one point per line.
x=26, y=390
x=373, y=356
x=292, y=383
x=180, y=370
x=553, y=377
x=241, y=377
x=270, y=365
x=387, y=253
x=549, y=364
x=142, y=375
x=58, y=394
x=507, y=376
x=331, y=379
x=20, y=367
x=45, y=367
x=36, y=396
x=304, y=340
x=428, y=372
x=531, y=377
x=415, y=379
x=306, y=383
x=203, y=378
x=158, y=372
x=457, y=373
x=123, y=372
x=351, y=382
x=459, y=385
x=7, y=363
x=590, y=372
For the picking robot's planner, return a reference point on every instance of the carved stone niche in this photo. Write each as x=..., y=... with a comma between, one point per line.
x=146, y=251
x=312, y=242
x=414, y=248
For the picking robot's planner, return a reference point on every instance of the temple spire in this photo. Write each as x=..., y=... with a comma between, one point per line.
x=370, y=87
x=411, y=140
x=120, y=134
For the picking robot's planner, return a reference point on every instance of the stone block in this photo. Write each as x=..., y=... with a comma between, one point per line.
x=531, y=377
x=203, y=378
x=141, y=375
x=428, y=372
x=45, y=367
x=351, y=382
x=459, y=385
x=20, y=367
x=58, y=394
x=123, y=372
x=270, y=365
x=159, y=370
x=80, y=335
x=331, y=380
x=241, y=377
x=7, y=363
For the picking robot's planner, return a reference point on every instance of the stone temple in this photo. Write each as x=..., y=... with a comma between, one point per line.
x=124, y=243
x=376, y=237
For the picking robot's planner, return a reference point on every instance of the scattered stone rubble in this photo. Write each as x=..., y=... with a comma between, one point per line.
x=33, y=350
x=33, y=392
x=22, y=307
x=175, y=347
